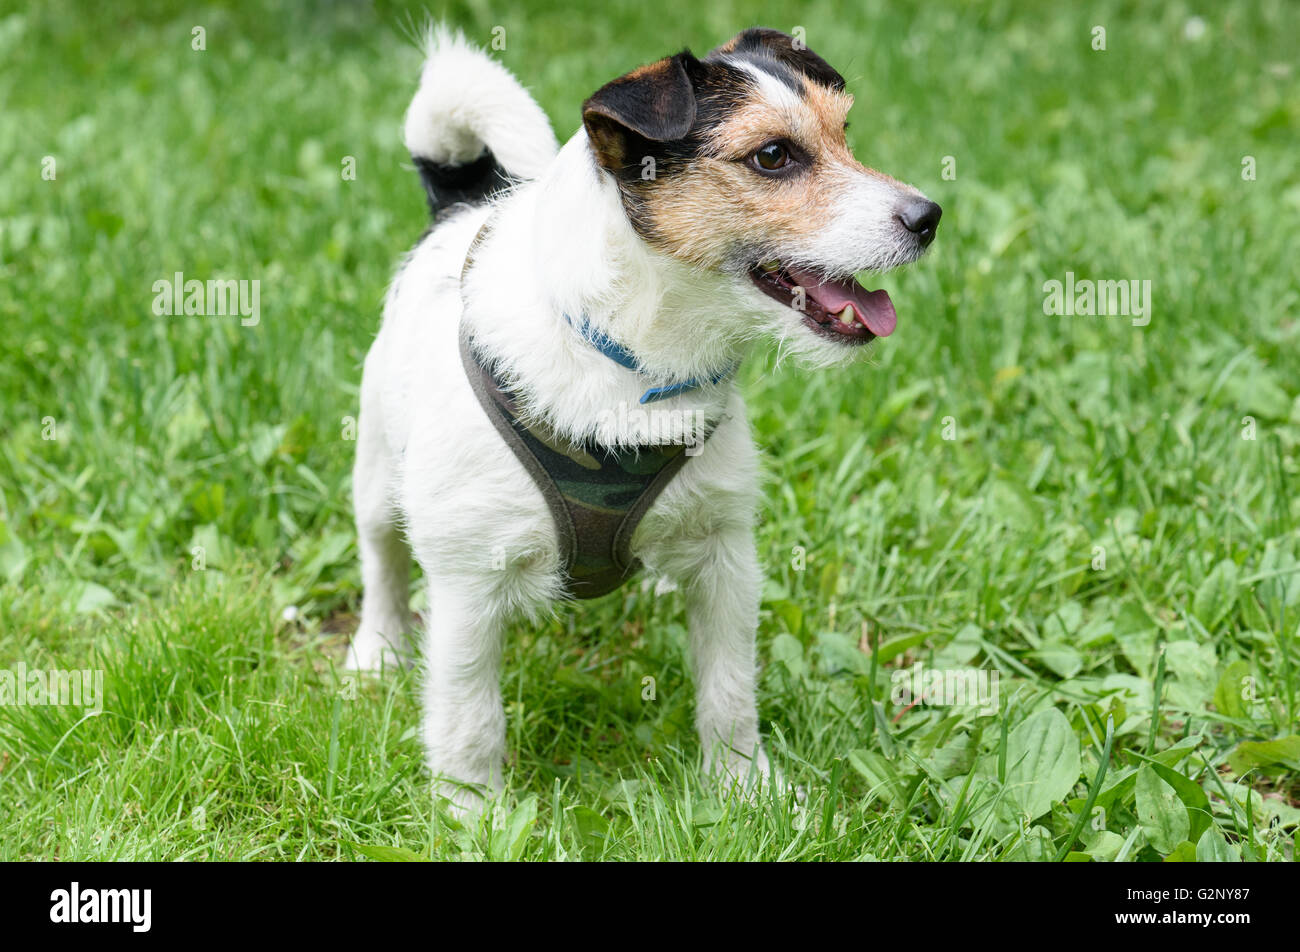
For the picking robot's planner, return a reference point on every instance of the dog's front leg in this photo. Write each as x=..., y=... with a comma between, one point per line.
x=722, y=598
x=464, y=722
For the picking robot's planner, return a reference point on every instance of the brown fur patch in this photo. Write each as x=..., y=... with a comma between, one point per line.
x=719, y=201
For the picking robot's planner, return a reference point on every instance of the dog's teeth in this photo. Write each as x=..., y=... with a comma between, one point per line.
x=846, y=316
x=769, y=266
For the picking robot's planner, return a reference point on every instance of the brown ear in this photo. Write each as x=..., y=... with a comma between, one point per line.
x=655, y=103
x=783, y=49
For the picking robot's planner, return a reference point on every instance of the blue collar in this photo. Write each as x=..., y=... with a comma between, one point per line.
x=624, y=358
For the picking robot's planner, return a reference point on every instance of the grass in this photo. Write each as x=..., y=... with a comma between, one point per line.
x=1073, y=503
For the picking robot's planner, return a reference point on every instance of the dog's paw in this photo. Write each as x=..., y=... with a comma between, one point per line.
x=752, y=778
x=370, y=652
x=732, y=768
x=466, y=803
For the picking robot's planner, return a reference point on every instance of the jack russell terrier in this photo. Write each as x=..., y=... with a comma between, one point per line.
x=567, y=297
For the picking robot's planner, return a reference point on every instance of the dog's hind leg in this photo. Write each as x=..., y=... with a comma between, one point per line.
x=381, y=639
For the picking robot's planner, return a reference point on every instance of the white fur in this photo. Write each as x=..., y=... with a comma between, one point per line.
x=434, y=479
x=467, y=100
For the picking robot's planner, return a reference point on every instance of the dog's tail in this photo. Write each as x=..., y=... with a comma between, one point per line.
x=471, y=128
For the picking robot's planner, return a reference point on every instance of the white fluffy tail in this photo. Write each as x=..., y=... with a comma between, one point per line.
x=468, y=102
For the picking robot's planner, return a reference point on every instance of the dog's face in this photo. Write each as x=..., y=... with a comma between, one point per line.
x=738, y=163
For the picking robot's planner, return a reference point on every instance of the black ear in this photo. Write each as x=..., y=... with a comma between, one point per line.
x=783, y=49
x=655, y=103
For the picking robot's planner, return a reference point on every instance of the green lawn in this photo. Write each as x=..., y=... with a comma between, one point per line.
x=1102, y=515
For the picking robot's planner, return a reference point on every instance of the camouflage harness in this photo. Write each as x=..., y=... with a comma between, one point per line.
x=597, y=494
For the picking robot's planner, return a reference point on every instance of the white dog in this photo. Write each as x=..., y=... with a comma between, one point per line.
x=548, y=408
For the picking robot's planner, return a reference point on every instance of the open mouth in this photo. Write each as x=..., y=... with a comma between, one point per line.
x=842, y=310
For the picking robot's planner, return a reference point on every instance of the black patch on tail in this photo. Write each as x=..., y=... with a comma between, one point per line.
x=467, y=182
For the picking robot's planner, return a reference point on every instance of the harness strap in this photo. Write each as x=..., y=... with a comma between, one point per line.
x=597, y=494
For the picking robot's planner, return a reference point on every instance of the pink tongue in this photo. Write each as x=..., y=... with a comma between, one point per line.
x=874, y=307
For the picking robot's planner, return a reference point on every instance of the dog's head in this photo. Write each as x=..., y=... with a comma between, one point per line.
x=738, y=163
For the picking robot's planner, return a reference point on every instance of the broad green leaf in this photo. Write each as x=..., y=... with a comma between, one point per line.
x=1159, y=811
x=1281, y=571
x=623, y=795
x=13, y=554
x=265, y=440
x=955, y=758
x=1135, y=633
x=1042, y=763
x=1184, y=852
x=93, y=597
x=187, y=420
x=1265, y=753
x=1136, y=692
x=1064, y=660
x=1228, y=699
x=1034, y=847
x=883, y=777
x=961, y=650
x=207, y=549
x=1011, y=503
x=891, y=649
x=1119, y=784
x=1278, y=811
x=1213, y=848
x=591, y=827
x=1216, y=594
x=1189, y=792
x=788, y=650
x=837, y=651
x=789, y=612
x=1191, y=666
x=388, y=854
x=507, y=843
x=1104, y=845
x=829, y=583
x=1062, y=624
x=1255, y=390
x=706, y=814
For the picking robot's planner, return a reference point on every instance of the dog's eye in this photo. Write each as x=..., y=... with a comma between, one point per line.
x=772, y=157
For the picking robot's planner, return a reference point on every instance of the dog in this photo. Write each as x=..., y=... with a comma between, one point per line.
x=704, y=204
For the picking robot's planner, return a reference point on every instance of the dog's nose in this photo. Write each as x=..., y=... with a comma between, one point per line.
x=921, y=217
